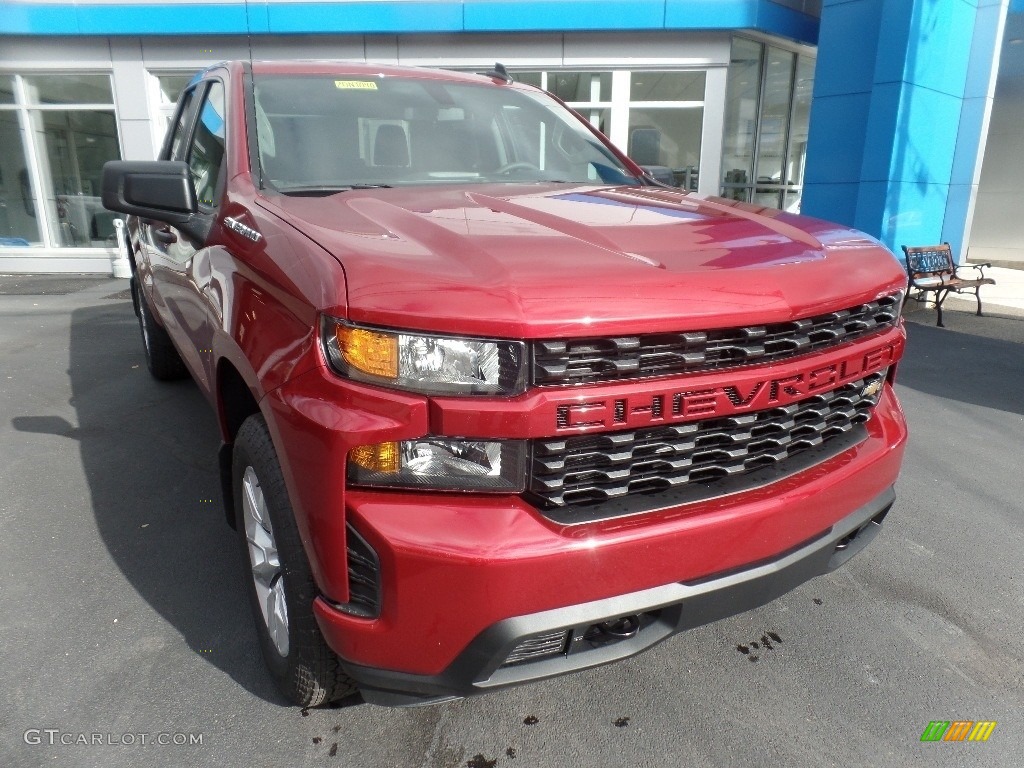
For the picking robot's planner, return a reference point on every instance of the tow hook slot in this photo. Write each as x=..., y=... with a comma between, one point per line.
x=614, y=630
x=856, y=540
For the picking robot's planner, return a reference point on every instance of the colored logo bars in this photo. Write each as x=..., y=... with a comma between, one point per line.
x=958, y=730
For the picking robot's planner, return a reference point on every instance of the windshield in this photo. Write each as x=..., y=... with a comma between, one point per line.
x=329, y=133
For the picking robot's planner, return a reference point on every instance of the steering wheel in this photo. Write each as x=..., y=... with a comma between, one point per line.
x=519, y=166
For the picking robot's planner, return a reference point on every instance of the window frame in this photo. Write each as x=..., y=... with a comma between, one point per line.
x=49, y=243
x=206, y=84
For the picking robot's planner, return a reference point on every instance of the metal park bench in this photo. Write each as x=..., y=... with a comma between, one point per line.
x=931, y=269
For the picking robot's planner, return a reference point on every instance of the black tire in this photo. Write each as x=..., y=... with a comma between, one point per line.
x=162, y=358
x=308, y=673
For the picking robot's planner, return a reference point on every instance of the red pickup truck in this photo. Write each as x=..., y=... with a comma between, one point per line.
x=495, y=404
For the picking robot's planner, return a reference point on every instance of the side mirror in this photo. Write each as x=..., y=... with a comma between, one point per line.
x=160, y=190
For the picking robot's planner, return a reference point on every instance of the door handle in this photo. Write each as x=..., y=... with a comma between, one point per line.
x=165, y=236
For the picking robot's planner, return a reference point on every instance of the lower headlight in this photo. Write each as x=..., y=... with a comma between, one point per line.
x=441, y=463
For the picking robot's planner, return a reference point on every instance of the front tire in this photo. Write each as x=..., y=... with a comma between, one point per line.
x=162, y=358
x=278, y=577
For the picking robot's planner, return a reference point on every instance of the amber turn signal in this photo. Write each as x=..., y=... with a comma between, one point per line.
x=369, y=351
x=381, y=457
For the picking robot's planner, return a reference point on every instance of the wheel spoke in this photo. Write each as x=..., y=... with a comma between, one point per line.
x=265, y=563
x=277, y=615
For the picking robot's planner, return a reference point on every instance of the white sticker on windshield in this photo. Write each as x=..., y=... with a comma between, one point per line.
x=359, y=85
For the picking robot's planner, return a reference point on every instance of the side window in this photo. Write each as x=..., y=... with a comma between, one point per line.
x=206, y=153
x=180, y=130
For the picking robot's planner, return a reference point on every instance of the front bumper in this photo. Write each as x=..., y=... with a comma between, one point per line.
x=464, y=578
x=663, y=611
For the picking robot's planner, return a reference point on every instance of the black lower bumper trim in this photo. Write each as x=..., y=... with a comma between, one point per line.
x=664, y=610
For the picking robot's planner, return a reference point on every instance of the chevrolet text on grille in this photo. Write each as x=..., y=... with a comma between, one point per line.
x=684, y=404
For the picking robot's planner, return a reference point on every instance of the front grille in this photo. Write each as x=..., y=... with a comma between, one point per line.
x=538, y=647
x=584, y=361
x=363, y=576
x=581, y=478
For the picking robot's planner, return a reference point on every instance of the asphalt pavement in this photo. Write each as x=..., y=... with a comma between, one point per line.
x=124, y=624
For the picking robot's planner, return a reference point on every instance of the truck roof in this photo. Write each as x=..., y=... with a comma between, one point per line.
x=359, y=69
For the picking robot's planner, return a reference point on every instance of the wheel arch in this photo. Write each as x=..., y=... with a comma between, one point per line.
x=236, y=402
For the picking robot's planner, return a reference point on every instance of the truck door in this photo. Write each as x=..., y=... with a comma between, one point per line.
x=180, y=265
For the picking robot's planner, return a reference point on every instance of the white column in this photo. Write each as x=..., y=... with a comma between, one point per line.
x=709, y=182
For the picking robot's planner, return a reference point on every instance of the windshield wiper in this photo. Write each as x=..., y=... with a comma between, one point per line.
x=332, y=189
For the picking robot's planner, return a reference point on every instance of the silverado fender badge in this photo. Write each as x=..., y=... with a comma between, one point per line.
x=236, y=226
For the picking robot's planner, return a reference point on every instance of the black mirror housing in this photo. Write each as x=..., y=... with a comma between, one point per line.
x=154, y=189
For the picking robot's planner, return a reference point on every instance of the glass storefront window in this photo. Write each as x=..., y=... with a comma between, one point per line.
x=171, y=87
x=74, y=145
x=744, y=84
x=666, y=121
x=530, y=78
x=599, y=117
x=56, y=131
x=766, y=116
x=667, y=86
x=776, y=103
x=581, y=87
x=797, y=151
x=19, y=222
x=669, y=138
x=6, y=89
x=68, y=89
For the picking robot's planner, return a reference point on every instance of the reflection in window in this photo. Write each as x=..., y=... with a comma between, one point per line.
x=19, y=224
x=771, y=144
x=744, y=83
x=667, y=86
x=171, y=87
x=670, y=139
x=181, y=126
x=530, y=78
x=207, y=149
x=68, y=89
x=583, y=87
x=6, y=89
x=797, y=153
x=74, y=145
x=666, y=119
x=766, y=115
x=56, y=130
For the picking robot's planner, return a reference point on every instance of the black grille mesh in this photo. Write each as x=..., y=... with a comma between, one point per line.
x=538, y=647
x=363, y=576
x=583, y=361
x=591, y=469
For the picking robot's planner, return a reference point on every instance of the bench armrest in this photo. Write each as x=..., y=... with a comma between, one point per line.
x=927, y=281
x=979, y=267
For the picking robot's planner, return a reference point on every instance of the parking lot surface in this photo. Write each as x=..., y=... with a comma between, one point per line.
x=124, y=623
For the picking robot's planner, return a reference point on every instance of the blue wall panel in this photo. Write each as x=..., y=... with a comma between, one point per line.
x=368, y=17
x=400, y=16
x=37, y=19
x=916, y=122
x=841, y=147
x=558, y=16
x=161, y=19
x=843, y=26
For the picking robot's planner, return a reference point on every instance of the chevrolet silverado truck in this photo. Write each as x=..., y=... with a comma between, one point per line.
x=495, y=404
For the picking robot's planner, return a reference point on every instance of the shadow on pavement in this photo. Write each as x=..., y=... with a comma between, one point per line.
x=977, y=360
x=149, y=454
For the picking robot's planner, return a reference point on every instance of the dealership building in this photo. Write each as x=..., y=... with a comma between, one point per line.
x=899, y=117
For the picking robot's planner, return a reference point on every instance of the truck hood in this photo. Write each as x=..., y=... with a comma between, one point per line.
x=535, y=261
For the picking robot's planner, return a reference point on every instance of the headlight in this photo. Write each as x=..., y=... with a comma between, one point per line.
x=430, y=364
x=441, y=463
x=900, y=297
